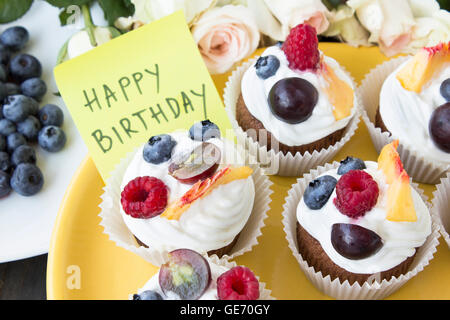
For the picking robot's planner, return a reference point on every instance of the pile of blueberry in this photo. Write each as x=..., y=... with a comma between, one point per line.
x=22, y=122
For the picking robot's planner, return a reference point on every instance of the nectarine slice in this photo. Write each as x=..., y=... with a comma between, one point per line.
x=421, y=68
x=203, y=188
x=339, y=92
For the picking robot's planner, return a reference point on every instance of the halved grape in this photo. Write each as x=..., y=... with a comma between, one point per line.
x=187, y=274
x=439, y=127
x=197, y=165
x=292, y=100
x=353, y=241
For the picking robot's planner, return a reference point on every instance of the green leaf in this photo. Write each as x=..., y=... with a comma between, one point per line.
x=114, y=9
x=13, y=10
x=333, y=4
x=66, y=3
x=445, y=4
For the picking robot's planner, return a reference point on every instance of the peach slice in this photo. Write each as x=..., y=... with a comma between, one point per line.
x=203, y=188
x=389, y=162
x=421, y=68
x=400, y=206
x=400, y=203
x=339, y=92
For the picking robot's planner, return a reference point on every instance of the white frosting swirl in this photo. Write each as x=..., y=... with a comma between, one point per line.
x=322, y=123
x=209, y=294
x=211, y=222
x=406, y=114
x=399, y=238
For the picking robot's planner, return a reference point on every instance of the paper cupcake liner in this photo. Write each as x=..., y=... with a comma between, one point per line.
x=441, y=207
x=276, y=162
x=336, y=288
x=264, y=293
x=117, y=230
x=421, y=169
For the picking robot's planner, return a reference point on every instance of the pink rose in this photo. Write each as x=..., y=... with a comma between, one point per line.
x=225, y=35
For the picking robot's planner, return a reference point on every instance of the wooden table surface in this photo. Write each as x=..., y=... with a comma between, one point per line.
x=23, y=279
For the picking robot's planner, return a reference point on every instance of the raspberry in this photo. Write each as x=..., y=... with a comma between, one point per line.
x=238, y=283
x=144, y=197
x=356, y=193
x=301, y=48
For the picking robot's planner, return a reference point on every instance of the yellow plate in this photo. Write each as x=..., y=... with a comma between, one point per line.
x=84, y=264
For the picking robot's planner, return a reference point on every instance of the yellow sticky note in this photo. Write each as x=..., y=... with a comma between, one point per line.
x=148, y=81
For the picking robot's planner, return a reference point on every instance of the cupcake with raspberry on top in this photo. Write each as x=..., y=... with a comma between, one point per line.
x=187, y=189
x=293, y=101
x=360, y=225
x=187, y=275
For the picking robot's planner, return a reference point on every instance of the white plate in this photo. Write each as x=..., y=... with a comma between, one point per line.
x=26, y=222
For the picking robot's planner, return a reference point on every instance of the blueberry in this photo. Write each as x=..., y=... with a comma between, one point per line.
x=5, y=187
x=51, y=115
x=18, y=107
x=279, y=44
x=27, y=179
x=14, y=140
x=148, y=295
x=2, y=143
x=29, y=128
x=23, y=154
x=319, y=191
x=3, y=91
x=23, y=67
x=445, y=89
x=7, y=127
x=12, y=89
x=204, y=130
x=34, y=88
x=267, y=66
x=159, y=148
x=52, y=138
x=5, y=161
x=350, y=163
x=15, y=38
x=5, y=55
x=3, y=73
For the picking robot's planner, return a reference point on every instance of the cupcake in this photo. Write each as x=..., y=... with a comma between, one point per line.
x=359, y=229
x=187, y=275
x=187, y=189
x=441, y=207
x=414, y=107
x=293, y=99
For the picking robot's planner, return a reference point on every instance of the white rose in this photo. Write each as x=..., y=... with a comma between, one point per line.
x=390, y=22
x=423, y=8
x=344, y=24
x=225, y=35
x=275, y=18
x=432, y=25
x=150, y=10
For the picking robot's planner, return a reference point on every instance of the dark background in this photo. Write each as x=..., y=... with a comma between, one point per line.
x=23, y=279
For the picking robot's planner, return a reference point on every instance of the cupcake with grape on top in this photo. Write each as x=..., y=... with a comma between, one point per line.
x=293, y=98
x=187, y=189
x=187, y=275
x=414, y=107
x=358, y=228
